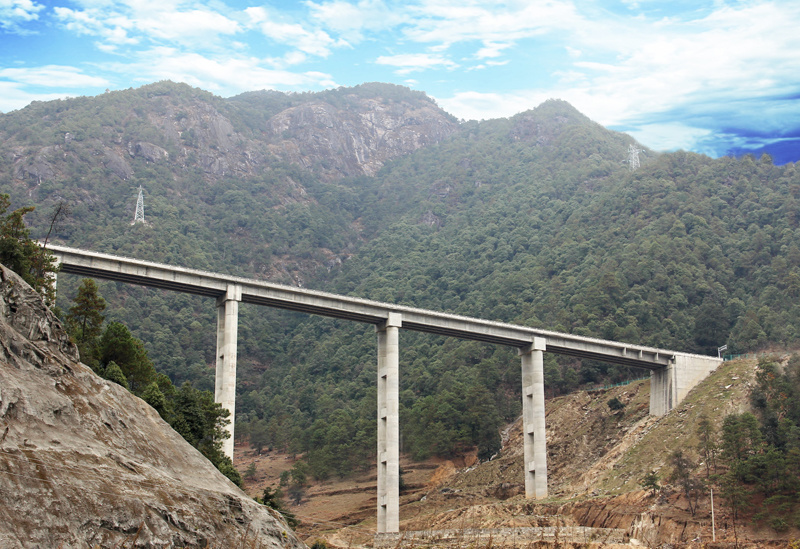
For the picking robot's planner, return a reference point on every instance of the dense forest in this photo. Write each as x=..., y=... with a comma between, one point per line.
x=536, y=220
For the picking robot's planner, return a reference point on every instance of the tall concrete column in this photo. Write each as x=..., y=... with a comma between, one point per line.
x=389, y=424
x=227, y=333
x=533, y=424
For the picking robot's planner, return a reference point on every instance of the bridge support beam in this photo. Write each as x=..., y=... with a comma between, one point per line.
x=533, y=423
x=670, y=385
x=227, y=333
x=389, y=424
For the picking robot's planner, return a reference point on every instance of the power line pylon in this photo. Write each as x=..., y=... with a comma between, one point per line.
x=139, y=216
x=633, y=157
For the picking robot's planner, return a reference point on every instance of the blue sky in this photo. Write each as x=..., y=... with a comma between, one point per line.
x=708, y=76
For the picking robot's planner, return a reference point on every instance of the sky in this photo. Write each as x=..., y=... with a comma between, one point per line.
x=711, y=76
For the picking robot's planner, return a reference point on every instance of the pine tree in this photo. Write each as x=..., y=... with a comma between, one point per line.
x=23, y=255
x=85, y=320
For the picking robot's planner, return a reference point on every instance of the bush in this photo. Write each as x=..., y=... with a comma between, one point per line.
x=615, y=404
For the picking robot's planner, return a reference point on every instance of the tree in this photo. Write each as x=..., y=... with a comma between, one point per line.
x=118, y=345
x=708, y=445
x=155, y=398
x=483, y=421
x=650, y=482
x=299, y=478
x=259, y=435
x=681, y=475
x=615, y=404
x=59, y=213
x=741, y=440
x=273, y=498
x=23, y=255
x=85, y=320
x=114, y=373
x=736, y=497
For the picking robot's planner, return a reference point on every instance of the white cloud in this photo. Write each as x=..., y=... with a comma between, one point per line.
x=120, y=24
x=13, y=97
x=177, y=26
x=224, y=76
x=407, y=63
x=352, y=20
x=669, y=136
x=15, y=83
x=492, y=49
x=311, y=41
x=451, y=21
x=15, y=12
x=631, y=70
x=485, y=106
x=53, y=76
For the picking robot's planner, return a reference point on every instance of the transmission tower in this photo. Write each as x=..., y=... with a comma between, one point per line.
x=633, y=157
x=139, y=216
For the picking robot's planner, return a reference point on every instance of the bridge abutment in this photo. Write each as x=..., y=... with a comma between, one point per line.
x=225, y=379
x=670, y=385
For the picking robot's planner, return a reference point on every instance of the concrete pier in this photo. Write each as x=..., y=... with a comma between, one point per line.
x=225, y=379
x=389, y=424
x=533, y=422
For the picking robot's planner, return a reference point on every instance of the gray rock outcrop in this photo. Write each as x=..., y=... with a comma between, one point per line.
x=84, y=463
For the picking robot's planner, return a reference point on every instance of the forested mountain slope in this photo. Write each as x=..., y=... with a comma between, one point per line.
x=535, y=220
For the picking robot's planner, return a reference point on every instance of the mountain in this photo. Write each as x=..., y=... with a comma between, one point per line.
x=374, y=191
x=87, y=464
x=336, y=134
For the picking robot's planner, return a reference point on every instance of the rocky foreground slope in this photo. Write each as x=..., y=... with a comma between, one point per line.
x=84, y=463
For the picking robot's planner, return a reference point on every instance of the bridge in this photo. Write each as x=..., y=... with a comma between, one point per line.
x=673, y=373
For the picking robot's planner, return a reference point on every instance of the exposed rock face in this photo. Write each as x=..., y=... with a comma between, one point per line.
x=148, y=151
x=84, y=463
x=191, y=131
x=357, y=140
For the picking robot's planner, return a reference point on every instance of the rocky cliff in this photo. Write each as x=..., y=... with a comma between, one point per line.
x=84, y=463
x=170, y=127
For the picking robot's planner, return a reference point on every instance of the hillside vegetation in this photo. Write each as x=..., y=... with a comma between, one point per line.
x=535, y=220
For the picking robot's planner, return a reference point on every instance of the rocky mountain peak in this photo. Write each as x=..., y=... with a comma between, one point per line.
x=335, y=134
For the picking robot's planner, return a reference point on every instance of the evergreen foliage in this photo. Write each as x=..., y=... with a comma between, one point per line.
x=273, y=498
x=760, y=452
x=85, y=320
x=23, y=255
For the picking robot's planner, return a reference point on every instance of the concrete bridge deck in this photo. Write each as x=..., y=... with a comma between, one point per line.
x=179, y=279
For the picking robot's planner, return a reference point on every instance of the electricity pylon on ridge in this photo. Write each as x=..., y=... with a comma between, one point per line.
x=139, y=215
x=633, y=157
